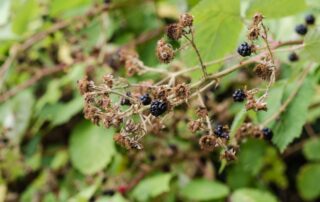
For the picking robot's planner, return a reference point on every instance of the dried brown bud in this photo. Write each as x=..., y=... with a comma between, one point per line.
x=165, y=52
x=263, y=71
x=83, y=85
x=202, y=112
x=108, y=80
x=186, y=20
x=174, y=31
x=230, y=153
x=181, y=91
x=257, y=19
x=195, y=125
x=208, y=142
x=132, y=66
x=254, y=33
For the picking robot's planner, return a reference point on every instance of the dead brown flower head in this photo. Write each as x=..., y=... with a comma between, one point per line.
x=186, y=20
x=165, y=52
x=174, y=31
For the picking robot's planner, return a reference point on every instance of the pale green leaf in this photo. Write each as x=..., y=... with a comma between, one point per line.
x=202, y=189
x=218, y=25
x=238, y=121
x=273, y=101
x=15, y=114
x=292, y=120
x=311, y=149
x=91, y=147
x=252, y=195
x=152, y=187
x=4, y=11
x=312, y=44
x=59, y=6
x=275, y=8
x=21, y=20
x=308, y=181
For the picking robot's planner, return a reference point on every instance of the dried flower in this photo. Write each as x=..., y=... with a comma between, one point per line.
x=174, y=31
x=208, y=142
x=186, y=20
x=165, y=52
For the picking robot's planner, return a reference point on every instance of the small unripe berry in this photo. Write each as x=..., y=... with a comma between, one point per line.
x=145, y=99
x=310, y=19
x=293, y=57
x=267, y=133
x=301, y=29
x=244, y=49
x=239, y=95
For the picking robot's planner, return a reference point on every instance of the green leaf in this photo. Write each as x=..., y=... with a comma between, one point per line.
x=292, y=120
x=16, y=114
x=202, y=189
x=59, y=6
x=273, y=101
x=91, y=147
x=311, y=149
x=218, y=25
x=275, y=8
x=4, y=11
x=24, y=14
x=308, y=181
x=152, y=187
x=116, y=198
x=252, y=195
x=238, y=121
x=312, y=43
x=252, y=162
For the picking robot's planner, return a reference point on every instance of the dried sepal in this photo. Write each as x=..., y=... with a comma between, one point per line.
x=164, y=51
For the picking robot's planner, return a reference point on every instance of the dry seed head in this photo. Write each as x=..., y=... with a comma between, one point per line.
x=263, y=71
x=174, y=31
x=186, y=20
x=208, y=142
x=165, y=52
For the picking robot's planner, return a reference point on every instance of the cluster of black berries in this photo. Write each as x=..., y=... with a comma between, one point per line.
x=244, y=49
x=158, y=107
x=221, y=131
x=267, y=133
x=239, y=95
x=302, y=29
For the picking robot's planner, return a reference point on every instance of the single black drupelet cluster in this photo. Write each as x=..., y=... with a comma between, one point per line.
x=301, y=29
x=220, y=131
x=125, y=100
x=267, y=133
x=244, y=49
x=158, y=107
x=310, y=19
x=293, y=57
x=145, y=99
x=108, y=192
x=239, y=95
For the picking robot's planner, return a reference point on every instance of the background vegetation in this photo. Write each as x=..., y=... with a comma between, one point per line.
x=49, y=152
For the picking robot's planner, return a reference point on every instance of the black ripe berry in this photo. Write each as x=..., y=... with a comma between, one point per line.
x=293, y=57
x=158, y=107
x=244, y=49
x=301, y=29
x=267, y=133
x=239, y=95
x=125, y=100
x=218, y=130
x=145, y=99
x=310, y=19
x=109, y=192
